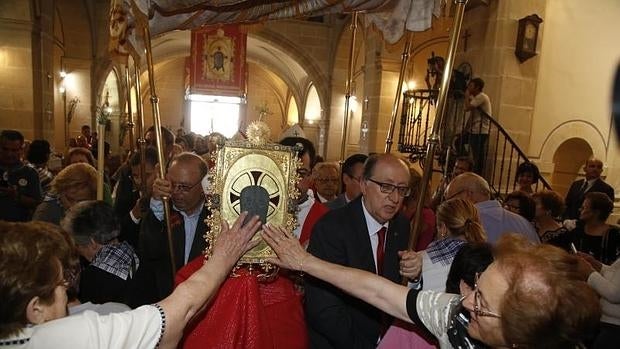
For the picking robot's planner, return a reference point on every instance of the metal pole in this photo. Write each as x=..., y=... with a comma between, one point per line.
x=347, y=89
x=130, y=124
x=433, y=140
x=158, y=136
x=399, y=92
x=100, y=159
x=140, y=128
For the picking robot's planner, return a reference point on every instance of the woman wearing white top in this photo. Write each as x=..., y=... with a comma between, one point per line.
x=605, y=279
x=36, y=260
x=457, y=223
x=531, y=296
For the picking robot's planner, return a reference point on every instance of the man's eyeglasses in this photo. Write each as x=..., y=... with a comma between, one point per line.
x=183, y=188
x=477, y=302
x=387, y=188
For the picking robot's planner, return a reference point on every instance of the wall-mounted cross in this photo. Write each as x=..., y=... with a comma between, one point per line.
x=465, y=37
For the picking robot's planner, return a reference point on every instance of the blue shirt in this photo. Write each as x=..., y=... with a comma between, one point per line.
x=190, y=222
x=497, y=221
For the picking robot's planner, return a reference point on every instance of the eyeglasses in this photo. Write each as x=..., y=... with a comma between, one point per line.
x=183, y=188
x=477, y=303
x=387, y=188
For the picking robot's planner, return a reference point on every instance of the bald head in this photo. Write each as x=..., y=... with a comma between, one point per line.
x=469, y=186
x=191, y=160
x=382, y=160
x=385, y=184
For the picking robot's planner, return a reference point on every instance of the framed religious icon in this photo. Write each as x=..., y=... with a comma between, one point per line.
x=254, y=176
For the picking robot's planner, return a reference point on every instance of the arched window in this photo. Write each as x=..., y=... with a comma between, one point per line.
x=214, y=114
x=292, y=113
x=313, y=106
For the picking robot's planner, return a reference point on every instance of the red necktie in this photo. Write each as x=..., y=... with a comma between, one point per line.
x=380, y=250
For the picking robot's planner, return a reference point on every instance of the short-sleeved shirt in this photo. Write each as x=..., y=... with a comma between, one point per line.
x=434, y=310
x=139, y=328
x=479, y=124
x=26, y=180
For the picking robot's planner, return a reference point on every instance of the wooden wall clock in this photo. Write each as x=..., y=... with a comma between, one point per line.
x=527, y=37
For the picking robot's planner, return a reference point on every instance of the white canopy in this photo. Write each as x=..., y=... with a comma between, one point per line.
x=392, y=17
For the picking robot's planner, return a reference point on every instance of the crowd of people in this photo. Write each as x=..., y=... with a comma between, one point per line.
x=529, y=270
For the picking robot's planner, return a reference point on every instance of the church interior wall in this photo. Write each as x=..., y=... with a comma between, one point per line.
x=335, y=114
x=488, y=42
x=578, y=57
x=568, y=81
x=169, y=86
x=16, y=79
x=267, y=94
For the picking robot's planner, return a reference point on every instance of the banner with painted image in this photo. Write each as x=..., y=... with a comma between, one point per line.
x=218, y=64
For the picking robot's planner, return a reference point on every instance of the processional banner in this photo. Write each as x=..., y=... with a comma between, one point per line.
x=218, y=61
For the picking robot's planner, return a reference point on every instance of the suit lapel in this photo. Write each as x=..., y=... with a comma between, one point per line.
x=198, y=245
x=178, y=242
x=362, y=237
x=391, y=250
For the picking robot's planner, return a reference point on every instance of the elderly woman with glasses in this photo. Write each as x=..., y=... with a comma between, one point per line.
x=531, y=296
x=35, y=260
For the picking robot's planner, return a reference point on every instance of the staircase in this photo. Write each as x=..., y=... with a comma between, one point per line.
x=497, y=157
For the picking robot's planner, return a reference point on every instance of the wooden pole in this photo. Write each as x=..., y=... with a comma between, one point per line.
x=158, y=136
x=433, y=140
x=347, y=89
x=140, y=127
x=399, y=91
x=130, y=124
x=100, y=158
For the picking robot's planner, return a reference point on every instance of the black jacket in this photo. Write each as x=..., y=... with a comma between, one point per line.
x=335, y=319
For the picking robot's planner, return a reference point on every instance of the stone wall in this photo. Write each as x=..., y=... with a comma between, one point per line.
x=16, y=88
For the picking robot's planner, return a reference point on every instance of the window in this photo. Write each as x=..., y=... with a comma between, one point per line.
x=210, y=114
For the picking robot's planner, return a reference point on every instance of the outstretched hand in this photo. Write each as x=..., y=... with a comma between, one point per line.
x=233, y=242
x=291, y=255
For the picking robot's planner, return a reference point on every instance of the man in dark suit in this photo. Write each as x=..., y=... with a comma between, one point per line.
x=352, y=170
x=592, y=183
x=369, y=234
x=188, y=212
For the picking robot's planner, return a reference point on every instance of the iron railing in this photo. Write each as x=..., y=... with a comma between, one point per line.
x=495, y=154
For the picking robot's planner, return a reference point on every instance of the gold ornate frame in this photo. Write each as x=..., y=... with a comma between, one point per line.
x=243, y=163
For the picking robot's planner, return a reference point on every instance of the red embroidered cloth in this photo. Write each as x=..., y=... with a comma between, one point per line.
x=247, y=314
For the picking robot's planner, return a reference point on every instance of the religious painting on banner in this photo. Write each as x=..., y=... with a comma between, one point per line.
x=218, y=61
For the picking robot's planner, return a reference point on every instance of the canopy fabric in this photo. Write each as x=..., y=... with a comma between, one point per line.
x=392, y=17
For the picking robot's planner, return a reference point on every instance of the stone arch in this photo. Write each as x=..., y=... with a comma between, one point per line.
x=563, y=139
x=568, y=161
x=567, y=130
x=314, y=72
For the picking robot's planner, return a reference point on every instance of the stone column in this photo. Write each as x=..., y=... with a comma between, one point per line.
x=42, y=69
x=489, y=47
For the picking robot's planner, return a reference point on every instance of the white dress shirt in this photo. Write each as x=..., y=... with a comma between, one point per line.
x=373, y=228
